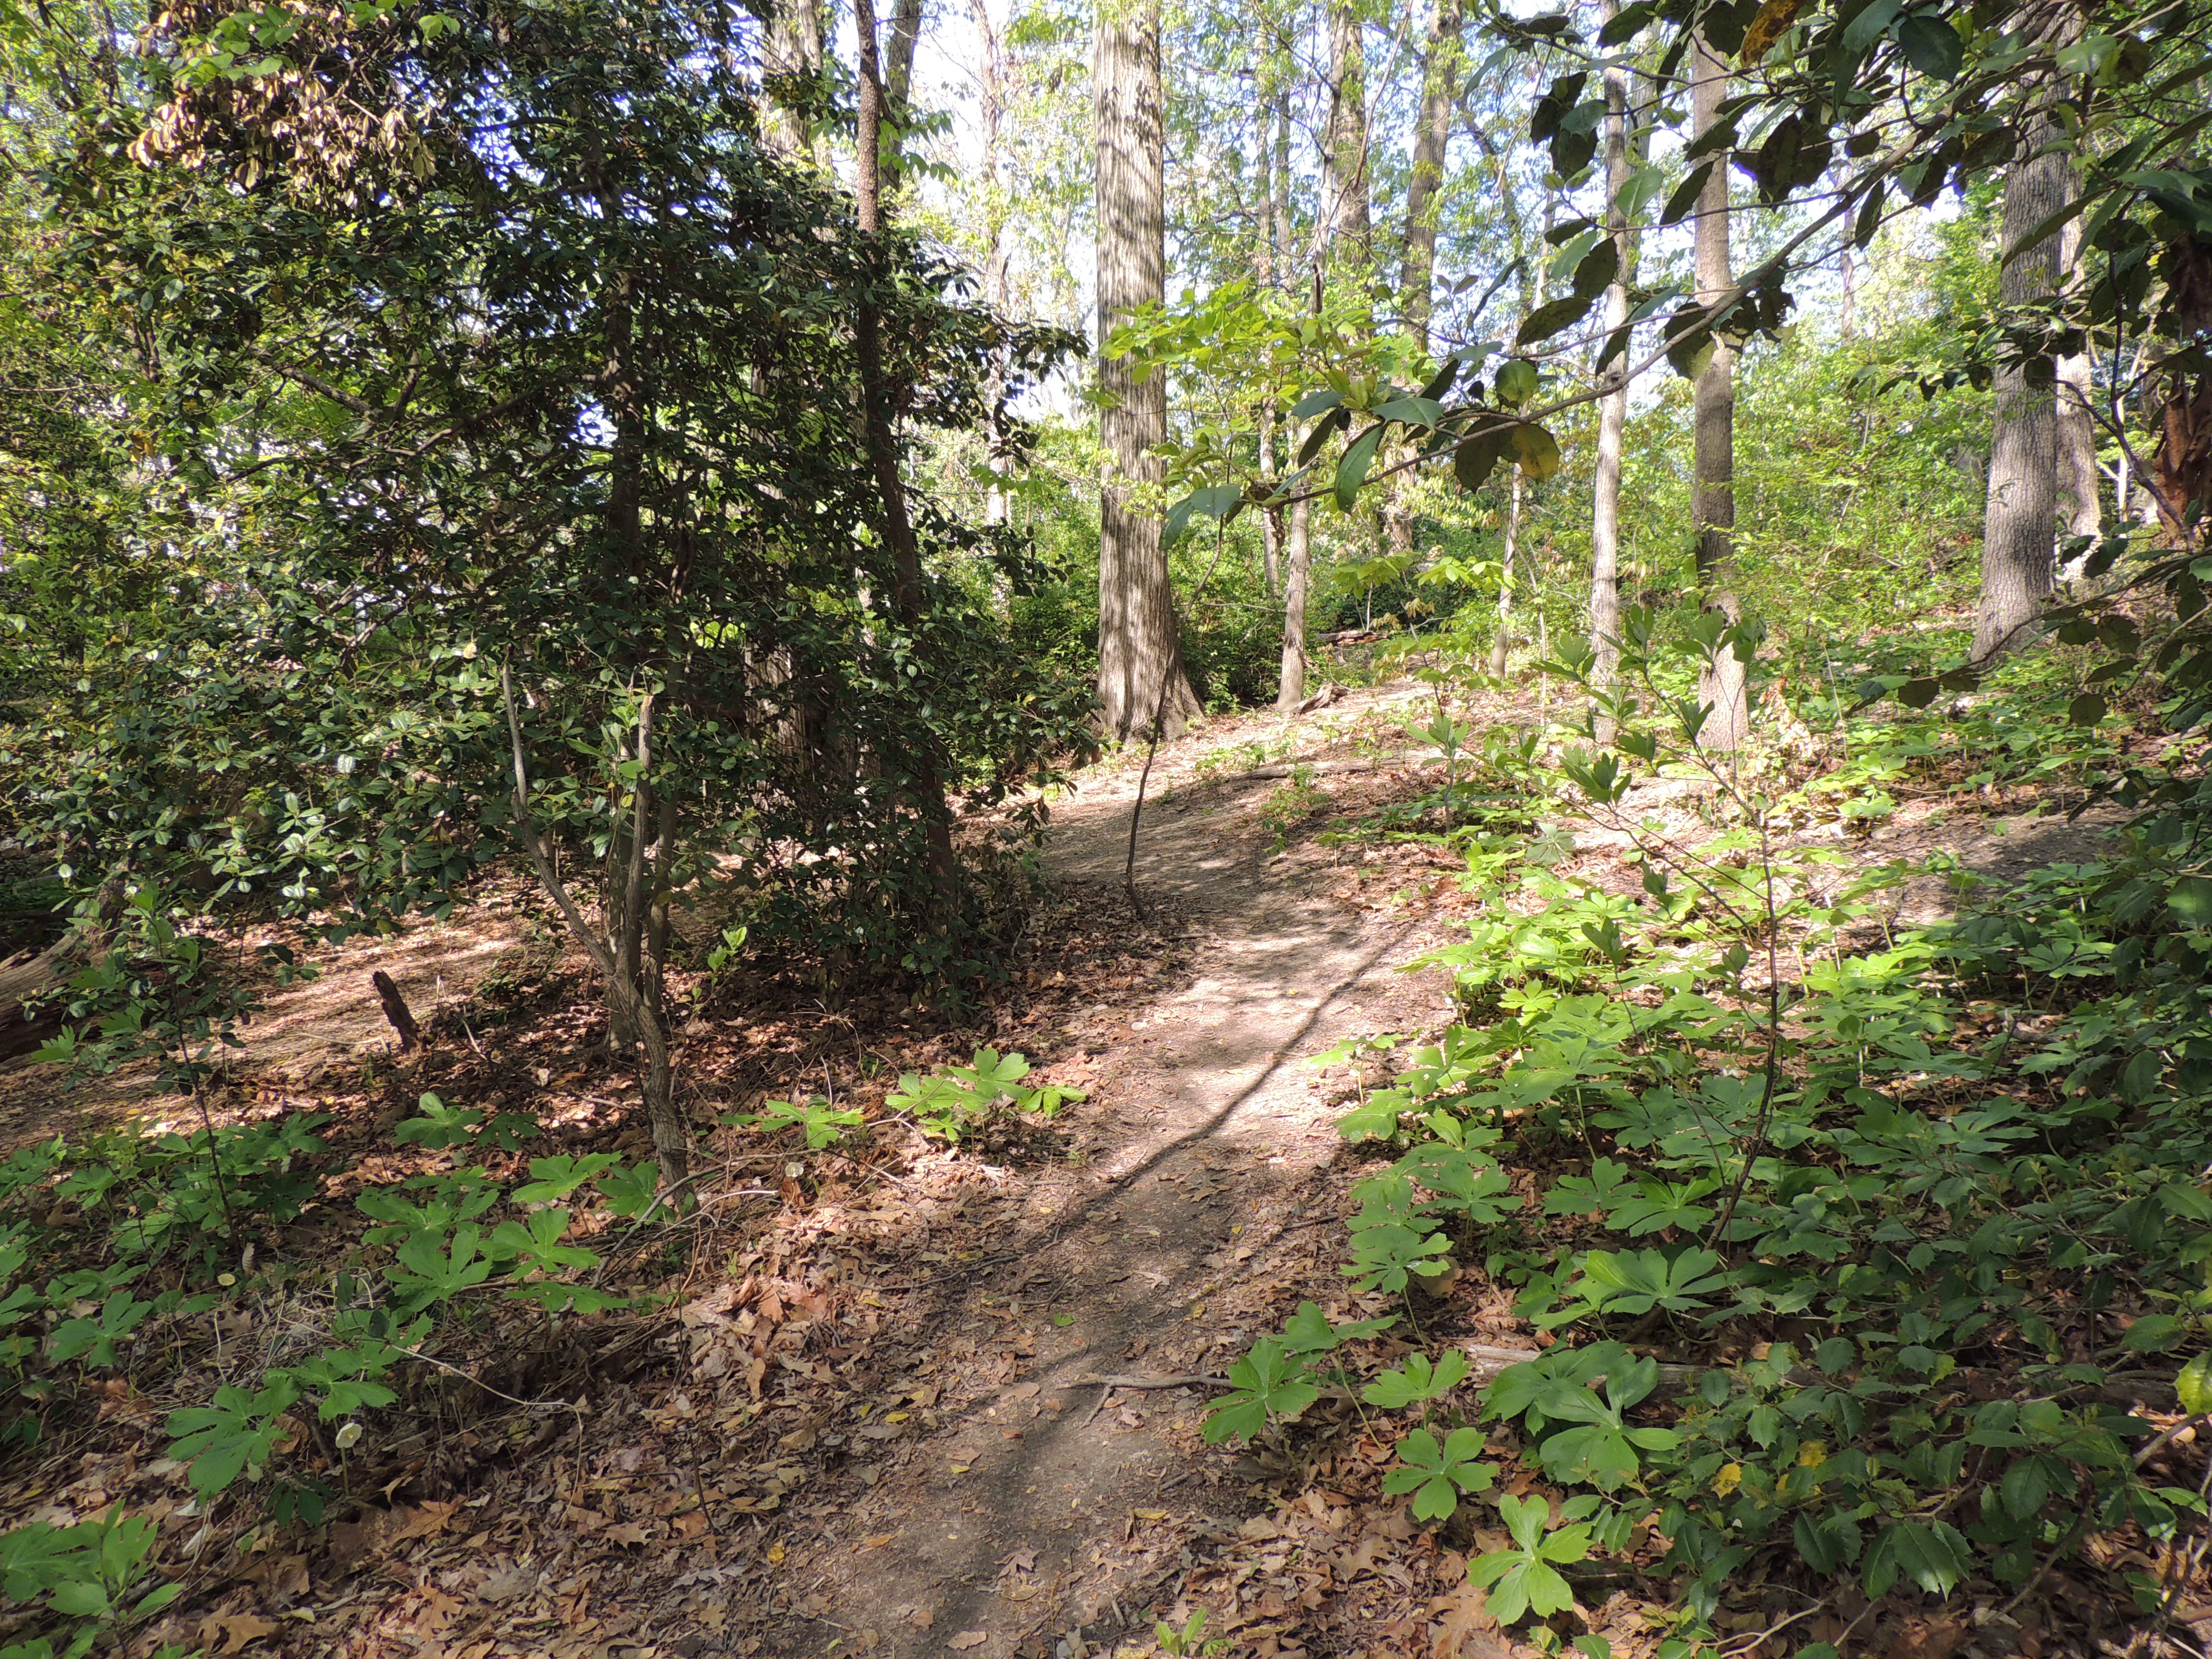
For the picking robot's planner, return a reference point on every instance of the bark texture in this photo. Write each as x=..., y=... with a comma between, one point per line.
x=1612, y=402
x=1721, y=685
x=2020, y=523
x=1140, y=672
x=1441, y=69
x=792, y=49
x=1344, y=174
x=1298, y=564
x=2080, y=484
x=926, y=787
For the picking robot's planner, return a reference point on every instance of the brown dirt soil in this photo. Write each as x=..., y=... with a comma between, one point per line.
x=862, y=1422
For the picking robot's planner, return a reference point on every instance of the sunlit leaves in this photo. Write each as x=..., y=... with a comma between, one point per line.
x=1437, y=1473
x=1270, y=1382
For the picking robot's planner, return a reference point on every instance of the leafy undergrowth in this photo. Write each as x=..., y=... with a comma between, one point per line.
x=1745, y=1271
x=428, y=1363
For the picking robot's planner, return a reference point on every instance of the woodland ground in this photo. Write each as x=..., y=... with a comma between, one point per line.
x=869, y=1417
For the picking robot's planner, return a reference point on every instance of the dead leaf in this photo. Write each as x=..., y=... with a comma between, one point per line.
x=426, y=1521
x=238, y=1630
x=1464, y=1626
x=1923, y=1638
x=969, y=1638
x=628, y=1533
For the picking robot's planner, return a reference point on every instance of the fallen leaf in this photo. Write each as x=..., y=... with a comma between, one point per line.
x=969, y=1638
x=876, y=1541
x=628, y=1533
x=239, y=1629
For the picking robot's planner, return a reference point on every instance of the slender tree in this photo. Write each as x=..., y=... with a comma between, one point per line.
x=2080, y=490
x=1613, y=401
x=792, y=52
x=879, y=401
x=1443, y=68
x=2021, y=514
x=1140, y=673
x=1723, y=686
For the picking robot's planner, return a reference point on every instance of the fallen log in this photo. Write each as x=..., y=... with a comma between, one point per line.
x=24, y=980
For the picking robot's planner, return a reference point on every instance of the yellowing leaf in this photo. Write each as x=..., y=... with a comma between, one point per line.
x=1151, y=1515
x=776, y=1555
x=1812, y=1455
x=1729, y=1477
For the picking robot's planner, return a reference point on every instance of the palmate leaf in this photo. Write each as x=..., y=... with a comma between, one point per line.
x=1524, y=1579
x=1308, y=1330
x=1384, y=1257
x=1418, y=1382
x=1269, y=1382
x=1437, y=1474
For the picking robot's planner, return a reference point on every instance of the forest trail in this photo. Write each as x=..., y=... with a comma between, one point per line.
x=1051, y=1506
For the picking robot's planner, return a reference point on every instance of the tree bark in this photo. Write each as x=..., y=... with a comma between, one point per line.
x=1722, y=683
x=1140, y=647
x=1345, y=171
x=1612, y=402
x=2080, y=484
x=1297, y=562
x=1502, y=644
x=794, y=49
x=926, y=787
x=897, y=83
x=1441, y=72
x=2020, y=522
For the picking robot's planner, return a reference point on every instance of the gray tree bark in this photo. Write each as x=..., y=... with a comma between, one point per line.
x=1344, y=178
x=794, y=47
x=1297, y=563
x=2080, y=484
x=2020, y=521
x=1721, y=684
x=1612, y=402
x=1442, y=71
x=1140, y=671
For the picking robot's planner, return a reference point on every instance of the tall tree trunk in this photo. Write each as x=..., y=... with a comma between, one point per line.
x=1297, y=562
x=1612, y=402
x=1345, y=181
x=926, y=787
x=1721, y=684
x=1140, y=671
x=2080, y=484
x=898, y=81
x=1503, y=642
x=793, y=48
x=1441, y=73
x=2019, y=524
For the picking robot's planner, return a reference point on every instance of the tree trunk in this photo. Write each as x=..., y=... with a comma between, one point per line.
x=926, y=787
x=2080, y=484
x=2022, y=517
x=1140, y=673
x=1345, y=171
x=1612, y=402
x=1441, y=72
x=1722, y=686
x=793, y=48
x=1298, y=545
x=898, y=79
x=1501, y=645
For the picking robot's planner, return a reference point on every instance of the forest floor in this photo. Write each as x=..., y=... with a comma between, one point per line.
x=902, y=1399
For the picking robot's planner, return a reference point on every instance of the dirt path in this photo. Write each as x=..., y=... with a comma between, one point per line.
x=1050, y=1507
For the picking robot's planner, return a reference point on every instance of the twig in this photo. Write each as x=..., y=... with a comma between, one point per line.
x=2166, y=1438
x=544, y=1405
x=1118, y=1380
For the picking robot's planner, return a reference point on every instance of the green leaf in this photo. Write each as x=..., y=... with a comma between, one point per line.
x=1551, y=317
x=2154, y=1331
x=1516, y=382
x=1308, y=1331
x=1269, y=1382
x=1537, y=451
x=1931, y=46
x=1419, y=1380
x=1319, y=402
x=1684, y=201
x=1437, y=1474
x=1474, y=458
x=2194, y=1385
x=1351, y=471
